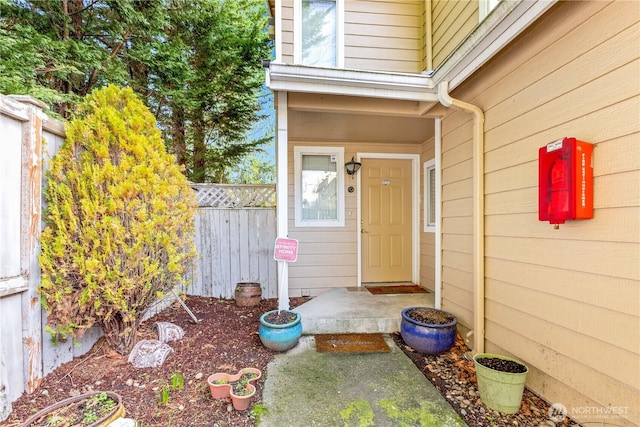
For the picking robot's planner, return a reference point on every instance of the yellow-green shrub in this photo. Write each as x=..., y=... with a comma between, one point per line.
x=119, y=220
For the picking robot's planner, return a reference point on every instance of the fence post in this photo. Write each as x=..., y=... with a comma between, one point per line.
x=31, y=201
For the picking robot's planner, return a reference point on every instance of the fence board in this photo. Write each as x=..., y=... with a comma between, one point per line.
x=234, y=245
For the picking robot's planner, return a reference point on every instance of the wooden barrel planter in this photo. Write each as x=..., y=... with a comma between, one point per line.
x=248, y=294
x=90, y=414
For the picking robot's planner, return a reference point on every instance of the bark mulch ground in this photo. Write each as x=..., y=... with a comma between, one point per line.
x=226, y=340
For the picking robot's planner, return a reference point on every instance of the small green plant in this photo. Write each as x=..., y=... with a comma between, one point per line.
x=257, y=412
x=164, y=395
x=89, y=417
x=177, y=381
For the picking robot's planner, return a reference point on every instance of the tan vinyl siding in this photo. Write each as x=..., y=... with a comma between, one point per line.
x=457, y=217
x=452, y=21
x=327, y=256
x=427, y=240
x=565, y=301
x=287, y=31
x=384, y=35
x=378, y=35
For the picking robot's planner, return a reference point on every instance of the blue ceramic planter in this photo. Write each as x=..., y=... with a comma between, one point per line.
x=428, y=338
x=280, y=337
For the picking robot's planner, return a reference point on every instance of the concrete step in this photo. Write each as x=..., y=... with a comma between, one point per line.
x=356, y=310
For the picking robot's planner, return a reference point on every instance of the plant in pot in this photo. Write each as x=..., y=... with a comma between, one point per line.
x=501, y=381
x=95, y=409
x=280, y=330
x=221, y=383
x=241, y=393
x=428, y=330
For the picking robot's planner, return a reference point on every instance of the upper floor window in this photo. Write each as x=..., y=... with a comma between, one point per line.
x=318, y=33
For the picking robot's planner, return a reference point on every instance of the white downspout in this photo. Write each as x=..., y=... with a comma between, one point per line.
x=478, y=210
x=438, y=236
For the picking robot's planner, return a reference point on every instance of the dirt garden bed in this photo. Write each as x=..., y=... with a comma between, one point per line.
x=226, y=340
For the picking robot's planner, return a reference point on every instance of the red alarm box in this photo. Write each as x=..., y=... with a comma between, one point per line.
x=565, y=181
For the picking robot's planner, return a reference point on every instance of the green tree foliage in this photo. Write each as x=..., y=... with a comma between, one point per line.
x=196, y=64
x=119, y=220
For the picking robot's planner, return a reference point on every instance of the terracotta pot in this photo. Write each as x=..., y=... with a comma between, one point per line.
x=242, y=402
x=248, y=294
x=221, y=383
x=116, y=412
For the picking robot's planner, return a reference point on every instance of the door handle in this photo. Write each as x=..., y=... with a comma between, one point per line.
x=362, y=230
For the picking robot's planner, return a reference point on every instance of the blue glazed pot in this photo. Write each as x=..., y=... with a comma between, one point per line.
x=280, y=337
x=428, y=338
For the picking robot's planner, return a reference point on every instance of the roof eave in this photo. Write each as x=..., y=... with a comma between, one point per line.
x=300, y=78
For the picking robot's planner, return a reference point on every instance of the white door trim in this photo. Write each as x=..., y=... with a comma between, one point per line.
x=415, y=211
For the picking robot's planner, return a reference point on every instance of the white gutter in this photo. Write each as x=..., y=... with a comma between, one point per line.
x=478, y=210
x=302, y=78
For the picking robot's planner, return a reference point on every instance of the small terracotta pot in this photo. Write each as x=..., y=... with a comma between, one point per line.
x=221, y=383
x=241, y=403
x=219, y=389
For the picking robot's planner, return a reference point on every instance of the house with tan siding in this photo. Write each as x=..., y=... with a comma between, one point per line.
x=445, y=105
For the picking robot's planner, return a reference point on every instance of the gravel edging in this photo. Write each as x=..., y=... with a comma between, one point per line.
x=454, y=376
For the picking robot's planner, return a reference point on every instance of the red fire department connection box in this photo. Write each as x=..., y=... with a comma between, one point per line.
x=565, y=181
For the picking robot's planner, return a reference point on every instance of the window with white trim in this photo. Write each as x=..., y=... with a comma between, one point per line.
x=318, y=32
x=430, y=196
x=319, y=186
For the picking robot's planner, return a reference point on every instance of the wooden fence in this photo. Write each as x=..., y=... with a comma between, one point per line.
x=234, y=245
x=235, y=234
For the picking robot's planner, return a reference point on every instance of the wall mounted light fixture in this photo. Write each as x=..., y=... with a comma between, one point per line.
x=352, y=167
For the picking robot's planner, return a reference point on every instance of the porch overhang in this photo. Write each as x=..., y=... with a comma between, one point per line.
x=369, y=84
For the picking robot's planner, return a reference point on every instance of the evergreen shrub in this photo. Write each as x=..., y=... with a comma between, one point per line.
x=119, y=221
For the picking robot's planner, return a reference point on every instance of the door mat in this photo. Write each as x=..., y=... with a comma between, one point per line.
x=401, y=289
x=351, y=343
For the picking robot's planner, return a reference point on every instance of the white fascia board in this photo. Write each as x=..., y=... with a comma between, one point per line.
x=504, y=23
x=299, y=78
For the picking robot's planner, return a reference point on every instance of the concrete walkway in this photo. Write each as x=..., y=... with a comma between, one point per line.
x=351, y=310
x=306, y=388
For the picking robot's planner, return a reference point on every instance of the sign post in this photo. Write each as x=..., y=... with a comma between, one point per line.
x=285, y=251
